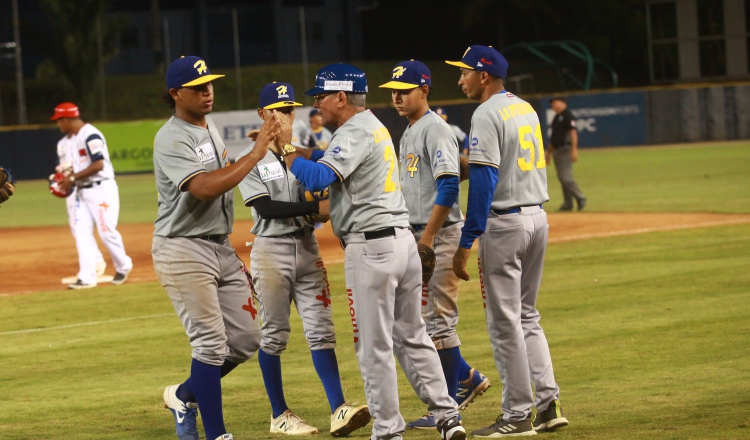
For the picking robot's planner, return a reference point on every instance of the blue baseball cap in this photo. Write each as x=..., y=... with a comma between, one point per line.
x=484, y=59
x=187, y=72
x=277, y=95
x=440, y=111
x=409, y=75
x=339, y=77
x=314, y=112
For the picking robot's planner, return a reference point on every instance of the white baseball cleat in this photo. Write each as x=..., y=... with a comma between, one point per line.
x=101, y=266
x=225, y=437
x=348, y=418
x=290, y=423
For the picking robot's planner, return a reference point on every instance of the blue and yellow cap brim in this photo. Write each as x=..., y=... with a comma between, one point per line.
x=459, y=64
x=202, y=80
x=398, y=85
x=282, y=104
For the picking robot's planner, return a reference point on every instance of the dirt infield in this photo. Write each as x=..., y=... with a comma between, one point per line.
x=33, y=269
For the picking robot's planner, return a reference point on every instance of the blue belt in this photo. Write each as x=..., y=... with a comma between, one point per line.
x=511, y=210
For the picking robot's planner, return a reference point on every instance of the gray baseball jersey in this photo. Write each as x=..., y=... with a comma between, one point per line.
x=270, y=178
x=506, y=134
x=367, y=196
x=181, y=151
x=428, y=150
x=383, y=275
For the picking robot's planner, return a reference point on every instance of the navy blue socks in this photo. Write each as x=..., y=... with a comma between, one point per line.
x=327, y=368
x=450, y=359
x=185, y=391
x=464, y=370
x=206, y=383
x=270, y=367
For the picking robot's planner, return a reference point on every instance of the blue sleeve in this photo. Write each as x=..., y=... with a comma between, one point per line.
x=313, y=175
x=466, y=143
x=316, y=155
x=482, y=183
x=447, y=190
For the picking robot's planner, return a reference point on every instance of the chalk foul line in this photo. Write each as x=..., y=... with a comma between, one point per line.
x=84, y=324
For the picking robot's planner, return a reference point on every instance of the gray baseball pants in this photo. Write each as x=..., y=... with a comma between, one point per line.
x=511, y=259
x=384, y=285
x=210, y=292
x=440, y=297
x=564, y=167
x=287, y=269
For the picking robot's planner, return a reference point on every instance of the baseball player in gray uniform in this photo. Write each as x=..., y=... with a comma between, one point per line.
x=430, y=183
x=507, y=186
x=286, y=267
x=383, y=269
x=207, y=283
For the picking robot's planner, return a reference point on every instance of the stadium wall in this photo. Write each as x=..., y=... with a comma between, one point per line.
x=633, y=117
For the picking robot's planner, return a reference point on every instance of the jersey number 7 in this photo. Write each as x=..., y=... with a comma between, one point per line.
x=527, y=144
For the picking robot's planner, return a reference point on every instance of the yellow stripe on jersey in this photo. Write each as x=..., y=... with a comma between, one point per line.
x=513, y=110
x=445, y=174
x=187, y=179
x=341, y=179
x=250, y=199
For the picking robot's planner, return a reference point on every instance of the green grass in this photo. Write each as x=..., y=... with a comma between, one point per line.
x=648, y=334
x=686, y=179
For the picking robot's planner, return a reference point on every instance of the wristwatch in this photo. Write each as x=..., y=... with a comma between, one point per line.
x=72, y=178
x=288, y=149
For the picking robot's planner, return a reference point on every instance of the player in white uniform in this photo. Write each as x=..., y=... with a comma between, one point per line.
x=507, y=186
x=383, y=269
x=286, y=267
x=430, y=183
x=65, y=149
x=97, y=198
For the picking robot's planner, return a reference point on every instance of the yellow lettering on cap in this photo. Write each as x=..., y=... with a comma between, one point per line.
x=200, y=65
x=398, y=71
x=281, y=89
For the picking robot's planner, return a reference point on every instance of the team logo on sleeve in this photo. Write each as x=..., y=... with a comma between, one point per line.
x=439, y=154
x=95, y=145
x=474, y=142
x=205, y=153
x=270, y=171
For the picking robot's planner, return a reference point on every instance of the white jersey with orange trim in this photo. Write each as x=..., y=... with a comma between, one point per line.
x=506, y=134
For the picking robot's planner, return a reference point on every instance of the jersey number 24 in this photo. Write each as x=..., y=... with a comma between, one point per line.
x=526, y=143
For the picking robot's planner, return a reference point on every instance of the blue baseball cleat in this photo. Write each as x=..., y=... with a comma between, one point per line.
x=185, y=414
x=471, y=388
x=427, y=421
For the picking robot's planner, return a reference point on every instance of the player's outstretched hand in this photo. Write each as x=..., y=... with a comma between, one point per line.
x=459, y=263
x=265, y=137
x=285, y=129
x=253, y=135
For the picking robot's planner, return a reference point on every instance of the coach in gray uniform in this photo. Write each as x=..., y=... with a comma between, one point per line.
x=507, y=185
x=383, y=270
x=193, y=258
x=286, y=266
x=430, y=183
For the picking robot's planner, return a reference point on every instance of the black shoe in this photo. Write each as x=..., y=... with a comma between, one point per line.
x=451, y=429
x=502, y=428
x=120, y=278
x=581, y=204
x=565, y=208
x=550, y=419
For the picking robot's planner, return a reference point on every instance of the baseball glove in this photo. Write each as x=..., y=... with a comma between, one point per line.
x=306, y=195
x=7, y=184
x=427, y=256
x=54, y=185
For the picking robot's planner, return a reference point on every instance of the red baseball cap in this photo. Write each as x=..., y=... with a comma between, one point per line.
x=65, y=110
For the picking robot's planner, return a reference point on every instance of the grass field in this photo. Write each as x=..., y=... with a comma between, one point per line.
x=649, y=333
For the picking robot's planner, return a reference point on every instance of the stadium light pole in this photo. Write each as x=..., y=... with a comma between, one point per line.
x=237, y=70
x=20, y=94
x=100, y=50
